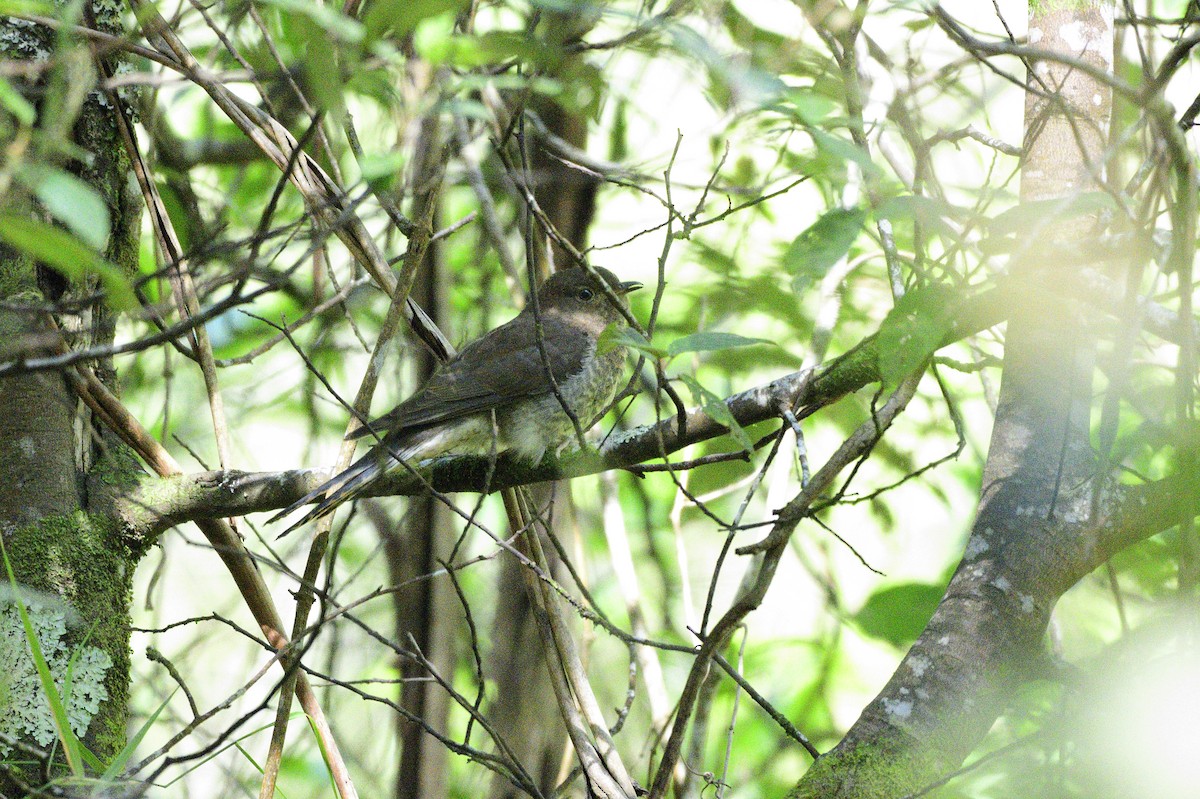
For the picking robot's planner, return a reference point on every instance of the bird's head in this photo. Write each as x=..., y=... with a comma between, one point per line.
x=576, y=293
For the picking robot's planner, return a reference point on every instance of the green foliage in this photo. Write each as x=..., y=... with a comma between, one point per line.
x=15, y=104
x=1012, y=228
x=914, y=329
x=26, y=7
x=898, y=613
x=711, y=341
x=615, y=336
x=71, y=201
x=396, y=17
x=67, y=254
x=331, y=22
x=819, y=247
x=714, y=407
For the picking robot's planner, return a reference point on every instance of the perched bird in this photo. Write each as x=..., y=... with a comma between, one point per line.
x=505, y=372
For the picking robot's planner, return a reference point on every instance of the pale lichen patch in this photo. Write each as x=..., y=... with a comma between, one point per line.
x=1081, y=37
x=24, y=708
x=899, y=708
x=918, y=664
x=976, y=547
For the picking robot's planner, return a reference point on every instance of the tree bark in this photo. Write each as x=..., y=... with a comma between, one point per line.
x=1029, y=542
x=60, y=470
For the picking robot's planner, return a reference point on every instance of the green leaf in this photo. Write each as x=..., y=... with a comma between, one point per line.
x=27, y=7
x=614, y=336
x=1039, y=214
x=928, y=211
x=71, y=201
x=729, y=78
x=400, y=17
x=122, y=759
x=89, y=758
x=714, y=408
x=333, y=22
x=822, y=245
x=381, y=166
x=921, y=23
x=914, y=330
x=68, y=255
x=899, y=613
x=320, y=739
x=839, y=149
x=807, y=106
x=16, y=104
x=58, y=710
x=711, y=341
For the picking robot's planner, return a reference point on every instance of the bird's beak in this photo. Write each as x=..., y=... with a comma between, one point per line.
x=628, y=286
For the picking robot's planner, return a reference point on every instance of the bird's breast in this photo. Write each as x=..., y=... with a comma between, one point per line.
x=535, y=425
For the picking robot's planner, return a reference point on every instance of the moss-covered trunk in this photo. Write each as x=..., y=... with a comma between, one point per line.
x=58, y=467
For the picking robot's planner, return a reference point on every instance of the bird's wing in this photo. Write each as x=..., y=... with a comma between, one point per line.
x=496, y=370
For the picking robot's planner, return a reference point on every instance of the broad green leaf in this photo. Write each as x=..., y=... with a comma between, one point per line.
x=711, y=341
x=841, y=149
x=807, y=106
x=746, y=33
x=731, y=80
x=614, y=336
x=71, y=201
x=15, y=103
x=444, y=45
x=329, y=50
x=1038, y=214
x=899, y=613
x=715, y=408
x=30, y=7
x=402, y=16
x=913, y=330
x=334, y=23
x=501, y=45
x=928, y=211
x=67, y=254
x=377, y=166
x=822, y=245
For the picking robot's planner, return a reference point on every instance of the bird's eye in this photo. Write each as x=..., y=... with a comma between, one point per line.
x=585, y=294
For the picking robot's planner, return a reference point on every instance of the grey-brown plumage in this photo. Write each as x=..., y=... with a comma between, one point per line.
x=504, y=372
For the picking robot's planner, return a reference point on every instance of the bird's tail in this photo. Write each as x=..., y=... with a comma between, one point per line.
x=342, y=488
x=408, y=445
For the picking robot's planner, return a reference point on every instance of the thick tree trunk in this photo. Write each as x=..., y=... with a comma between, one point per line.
x=987, y=634
x=59, y=470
